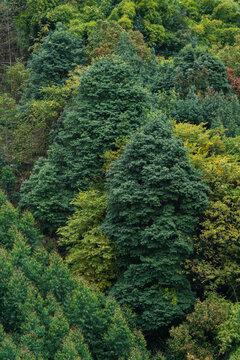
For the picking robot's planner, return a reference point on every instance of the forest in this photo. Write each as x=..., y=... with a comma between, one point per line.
x=119, y=179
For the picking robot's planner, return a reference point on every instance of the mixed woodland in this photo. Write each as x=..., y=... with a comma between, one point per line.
x=119, y=179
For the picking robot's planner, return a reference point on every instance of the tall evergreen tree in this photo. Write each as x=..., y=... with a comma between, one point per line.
x=155, y=198
x=60, y=53
x=110, y=104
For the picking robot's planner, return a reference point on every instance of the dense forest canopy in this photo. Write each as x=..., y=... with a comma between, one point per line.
x=119, y=179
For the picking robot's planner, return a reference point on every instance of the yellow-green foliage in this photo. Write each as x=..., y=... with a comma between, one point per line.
x=230, y=55
x=79, y=28
x=214, y=31
x=91, y=253
x=217, y=247
x=31, y=136
x=85, y=21
x=41, y=5
x=191, y=9
x=229, y=332
x=8, y=112
x=33, y=21
x=124, y=13
x=113, y=155
x=227, y=11
x=152, y=21
x=216, y=263
x=90, y=207
x=198, y=338
x=16, y=76
x=155, y=33
x=215, y=22
x=208, y=153
x=62, y=94
x=63, y=13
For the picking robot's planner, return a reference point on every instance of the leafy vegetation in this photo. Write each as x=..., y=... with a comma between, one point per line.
x=46, y=313
x=119, y=179
x=109, y=104
x=155, y=199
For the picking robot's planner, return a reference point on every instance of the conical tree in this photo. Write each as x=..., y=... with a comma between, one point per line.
x=155, y=198
x=110, y=104
x=60, y=53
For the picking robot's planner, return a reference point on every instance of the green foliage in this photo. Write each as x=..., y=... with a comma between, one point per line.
x=230, y=55
x=198, y=68
x=109, y=104
x=154, y=202
x=8, y=112
x=8, y=182
x=104, y=41
x=217, y=247
x=73, y=122
x=53, y=76
x=16, y=77
x=216, y=263
x=227, y=11
x=12, y=222
x=214, y=22
x=8, y=349
x=166, y=25
x=229, y=332
x=91, y=254
x=34, y=19
x=90, y=207
x=213, y=109
x=194, y=87
x=53, y=316
x=60, y=53
x=63, y=13
x=124, y=13
x=198, y=335
x=157, y=19
x=39, y=193
x=215, y=33
x=31, y=136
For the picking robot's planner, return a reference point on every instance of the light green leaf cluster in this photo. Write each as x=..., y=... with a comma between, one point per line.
x=90, y=253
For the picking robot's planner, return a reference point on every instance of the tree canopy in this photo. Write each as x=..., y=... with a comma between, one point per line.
x=155, y=198
x=109, y=104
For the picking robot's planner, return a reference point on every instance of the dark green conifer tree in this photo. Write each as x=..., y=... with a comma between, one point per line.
x=197, y=67
x=155, y=198
x=60, y=53
x=214, y=109
x=110, y=104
